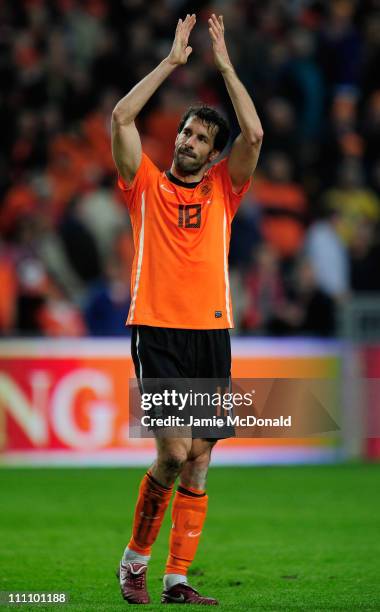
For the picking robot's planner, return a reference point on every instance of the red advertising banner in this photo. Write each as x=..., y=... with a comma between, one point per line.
x=371, y=359
x=66, y=402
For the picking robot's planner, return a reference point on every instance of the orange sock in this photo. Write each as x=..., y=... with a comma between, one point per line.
x=188, y=515
x=152, y=501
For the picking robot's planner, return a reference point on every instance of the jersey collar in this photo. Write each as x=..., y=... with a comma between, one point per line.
x=177, y=181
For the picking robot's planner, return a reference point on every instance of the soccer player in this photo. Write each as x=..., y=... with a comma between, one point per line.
x=180, y=308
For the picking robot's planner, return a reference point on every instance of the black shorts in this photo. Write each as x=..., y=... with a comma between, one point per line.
x=182, y=354
x=162, y=352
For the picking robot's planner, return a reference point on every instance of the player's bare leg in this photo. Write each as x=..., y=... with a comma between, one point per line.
x=194, y=472
x=188, y=516
x=172, y=456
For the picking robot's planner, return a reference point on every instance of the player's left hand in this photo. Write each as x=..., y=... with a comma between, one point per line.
x=216, y=29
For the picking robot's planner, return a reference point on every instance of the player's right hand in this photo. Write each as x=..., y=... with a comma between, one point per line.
x=181, y=50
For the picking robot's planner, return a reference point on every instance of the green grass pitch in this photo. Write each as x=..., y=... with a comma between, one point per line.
x=276, y=538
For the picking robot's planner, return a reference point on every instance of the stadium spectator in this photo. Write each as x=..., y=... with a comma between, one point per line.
x=351, y=199
x=32, y=278
x=309, y=309
x=339, y=134
x=58, y=317
x=8, y=286
x=283, y=206
x=340, y=45
x=107, y=302
x=328, y=256
x=265, y=291
x=302, y=84
x=281, y=133
x=246, y=233
x=371, y=128
x=80, y=245
x=364, y=259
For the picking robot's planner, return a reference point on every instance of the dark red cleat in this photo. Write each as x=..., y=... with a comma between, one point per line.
x=184, y=594
x=132, y=580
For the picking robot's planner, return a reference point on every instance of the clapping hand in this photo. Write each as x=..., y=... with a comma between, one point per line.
x=216, y=29
x=181, y=50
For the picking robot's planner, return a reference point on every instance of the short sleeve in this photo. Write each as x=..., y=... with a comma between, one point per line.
x=146, y=172
x=232, y=199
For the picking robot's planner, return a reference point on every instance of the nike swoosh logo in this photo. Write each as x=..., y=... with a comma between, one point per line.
x=193, y=534
x=179, y=598
x=152, y=518
x=165, y=189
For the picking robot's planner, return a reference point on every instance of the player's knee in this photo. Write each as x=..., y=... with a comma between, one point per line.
x=172, y=462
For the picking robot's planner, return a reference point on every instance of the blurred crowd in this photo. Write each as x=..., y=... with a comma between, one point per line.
x=306, y=238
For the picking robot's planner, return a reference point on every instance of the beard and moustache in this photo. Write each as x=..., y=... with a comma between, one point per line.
x=186, y=162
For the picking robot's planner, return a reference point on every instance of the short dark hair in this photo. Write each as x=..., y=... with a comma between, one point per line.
x=210, y=116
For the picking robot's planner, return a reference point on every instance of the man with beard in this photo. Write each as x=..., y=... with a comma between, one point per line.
x=180, y=308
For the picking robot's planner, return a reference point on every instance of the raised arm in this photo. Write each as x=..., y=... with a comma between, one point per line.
x=126, y=143
x=246, y=147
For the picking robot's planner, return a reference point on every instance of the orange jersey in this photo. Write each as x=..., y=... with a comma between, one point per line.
x=181, y=236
